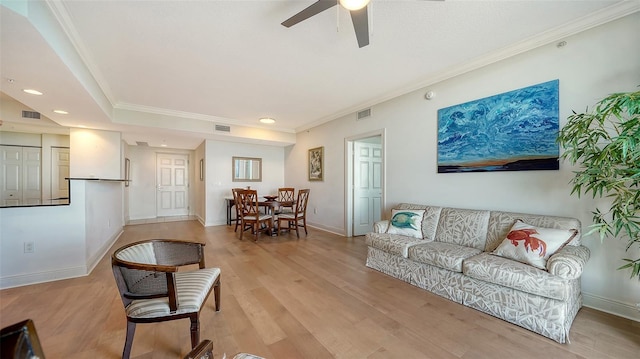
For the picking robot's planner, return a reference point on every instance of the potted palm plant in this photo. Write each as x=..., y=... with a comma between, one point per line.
x=605, y=144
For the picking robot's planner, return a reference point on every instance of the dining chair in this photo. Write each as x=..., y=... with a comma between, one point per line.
x=250, y=212
x=153, y=290
x=286, y=197
x=238, y=208
x=299, y=216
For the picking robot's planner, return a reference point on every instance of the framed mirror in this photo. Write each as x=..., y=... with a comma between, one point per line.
x=246, y=169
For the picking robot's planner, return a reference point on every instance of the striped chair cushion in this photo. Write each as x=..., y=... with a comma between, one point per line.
x=192, y=288
x=142, y=253
x=262, y=217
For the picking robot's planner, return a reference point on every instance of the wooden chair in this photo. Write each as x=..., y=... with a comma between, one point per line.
x=299, y=216
x=286, y=197
x=153, y=290
x=250, y=212
x=204, y=350
x=238, y=208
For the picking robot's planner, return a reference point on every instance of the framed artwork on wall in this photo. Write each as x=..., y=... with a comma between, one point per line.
x=512, y=131
x=316, y=164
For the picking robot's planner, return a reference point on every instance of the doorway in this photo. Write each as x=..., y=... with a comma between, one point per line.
x=365, y=182
x=173, y=184
x=59, y=174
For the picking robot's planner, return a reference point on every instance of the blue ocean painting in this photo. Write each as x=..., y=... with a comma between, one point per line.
x=512, y=131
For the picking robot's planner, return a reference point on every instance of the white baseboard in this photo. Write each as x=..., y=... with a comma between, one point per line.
x=625, y=310
x=95, y=259
x=336, y=231
x=42, y=277
x=59, y=274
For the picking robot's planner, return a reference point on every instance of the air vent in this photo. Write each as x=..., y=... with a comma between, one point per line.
x=223, y=128
x=31, y=114
x=143, y=144
x=364, y=114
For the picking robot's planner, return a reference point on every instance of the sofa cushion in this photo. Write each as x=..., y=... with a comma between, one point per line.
x=407, y=222
x=444, y=255
x=391, y=243
x=466, y=227
x=516, y=275
x=533, y=245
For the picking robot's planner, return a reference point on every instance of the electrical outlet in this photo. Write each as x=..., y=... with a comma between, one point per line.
x=315, y=211
x=28, y=247
x=638, y=306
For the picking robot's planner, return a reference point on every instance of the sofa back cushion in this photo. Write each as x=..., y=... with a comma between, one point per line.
x=501, y=222
x=465, y=227
x=429, y=219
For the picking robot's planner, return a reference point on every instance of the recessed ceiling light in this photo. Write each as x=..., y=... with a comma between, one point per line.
x=267, y=120
x=32, y=92
x=61, y=112
x=163, y=145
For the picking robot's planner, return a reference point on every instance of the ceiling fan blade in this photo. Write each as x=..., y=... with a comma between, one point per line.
x=314, y=9
x=361, y=26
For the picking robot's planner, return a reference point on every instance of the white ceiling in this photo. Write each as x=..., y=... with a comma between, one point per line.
x=166, y=71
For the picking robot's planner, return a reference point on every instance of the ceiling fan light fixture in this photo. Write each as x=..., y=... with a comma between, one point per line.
x=354, y=4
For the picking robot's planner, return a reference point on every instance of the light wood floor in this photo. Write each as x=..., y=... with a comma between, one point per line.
x=289, y=298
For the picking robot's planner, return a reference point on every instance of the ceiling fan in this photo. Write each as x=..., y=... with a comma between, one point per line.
x=357, y=8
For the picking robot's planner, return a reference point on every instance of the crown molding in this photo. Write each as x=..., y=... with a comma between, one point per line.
x=59, y=10
x=603, y=16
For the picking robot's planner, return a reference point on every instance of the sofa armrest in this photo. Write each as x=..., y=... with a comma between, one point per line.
x=381, y=226
x=568, y=263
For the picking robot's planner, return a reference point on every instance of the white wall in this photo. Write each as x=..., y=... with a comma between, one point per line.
x=57, y=234
x=218, y=179
x=68, y=240
x=95, y=154
x=593, y=64
x=103, y=217
x=206, y=197
x=142, y=189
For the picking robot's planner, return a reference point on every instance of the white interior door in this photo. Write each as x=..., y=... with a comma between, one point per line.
x=367, y=186
x=32, y=171
x=173, y=185
x=20, y=180
x=59, y=171
x=11, y=185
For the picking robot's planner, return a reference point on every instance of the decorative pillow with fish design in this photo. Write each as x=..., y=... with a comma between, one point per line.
x=533, y=245
x=407, y=222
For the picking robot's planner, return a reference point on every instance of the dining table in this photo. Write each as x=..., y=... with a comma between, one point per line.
x=270, y=205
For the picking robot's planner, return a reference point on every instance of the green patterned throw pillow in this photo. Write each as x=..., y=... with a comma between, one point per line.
x=407, y=222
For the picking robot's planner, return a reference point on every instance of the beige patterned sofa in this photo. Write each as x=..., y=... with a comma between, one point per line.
x=454, y=259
